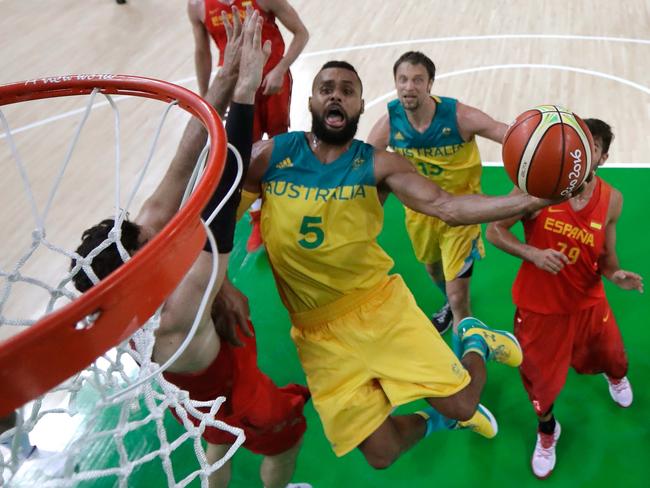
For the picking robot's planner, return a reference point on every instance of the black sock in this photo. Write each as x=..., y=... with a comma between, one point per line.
x=547, y=426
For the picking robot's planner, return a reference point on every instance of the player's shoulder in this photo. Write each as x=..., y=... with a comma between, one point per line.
x=271, y=5
x=394, y=104
x=387, y=163
x=615, y=201
x=264, y=148
x=465, y=111
x=615, y=195
x=195, y=9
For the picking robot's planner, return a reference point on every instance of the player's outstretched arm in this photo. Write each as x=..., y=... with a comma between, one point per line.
x=394, y=172
x=181, y=307
x=380, y=133
x=161, y=206
x=472, y=121
x=239, y=128
x=290, y=19
x=500, y=234
x=608, y=262
x=202, y=54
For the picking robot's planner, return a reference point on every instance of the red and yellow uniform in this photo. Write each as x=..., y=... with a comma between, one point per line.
x=565, y=320
x=272, y=111
x=271, y=417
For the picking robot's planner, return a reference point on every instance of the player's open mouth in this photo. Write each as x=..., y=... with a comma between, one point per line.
x=335, y=117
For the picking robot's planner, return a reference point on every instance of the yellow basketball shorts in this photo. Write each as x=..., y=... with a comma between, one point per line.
x=433, y=241
x=367, y=353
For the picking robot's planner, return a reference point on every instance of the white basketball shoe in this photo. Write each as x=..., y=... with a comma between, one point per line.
x=543, y=460
x=620, y=391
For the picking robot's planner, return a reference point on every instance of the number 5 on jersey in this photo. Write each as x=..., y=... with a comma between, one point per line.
x=312, y=232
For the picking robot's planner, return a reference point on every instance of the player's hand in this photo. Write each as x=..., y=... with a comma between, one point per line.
x=273, y=81
x=550, y=260
x=232, y=52
x=253, y=57
x=230, y=311
x=627, y=280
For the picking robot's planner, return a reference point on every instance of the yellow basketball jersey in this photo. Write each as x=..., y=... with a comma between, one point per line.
x=439, y=153
x=320, y=223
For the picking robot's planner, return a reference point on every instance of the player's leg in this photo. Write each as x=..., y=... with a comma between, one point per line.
x=460, y=248
x=394, y=437
x=432, y=371
x=221, y=477
x=398, y=433
x=599, y=348
x=443, y=318
x=424, y=233
x=547, y=342
x=458, y=297
x=463, y=404
x=276, y=471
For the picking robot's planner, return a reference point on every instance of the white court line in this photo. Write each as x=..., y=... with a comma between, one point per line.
x=589, y=72
x=430, y=40
x=391, y=93
x=557, y=67
x=374, y=46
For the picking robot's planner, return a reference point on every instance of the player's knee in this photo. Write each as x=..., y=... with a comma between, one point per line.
x=380, y=460
x=458, y=299
x=462, y=408
x=466, y=411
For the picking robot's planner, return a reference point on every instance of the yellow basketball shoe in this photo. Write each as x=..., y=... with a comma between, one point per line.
x=482, y=422
x=492, y=344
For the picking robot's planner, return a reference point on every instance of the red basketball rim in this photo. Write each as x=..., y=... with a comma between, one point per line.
x=53, y=349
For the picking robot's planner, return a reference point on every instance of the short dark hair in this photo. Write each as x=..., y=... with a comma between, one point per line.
x=342, y=65
x=601, y=129
x=416, y=57
x=109, y=259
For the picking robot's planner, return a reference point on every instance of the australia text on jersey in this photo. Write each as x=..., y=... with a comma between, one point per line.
x=295, y=191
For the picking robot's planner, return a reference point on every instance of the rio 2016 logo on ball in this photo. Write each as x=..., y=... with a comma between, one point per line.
x=547, y=151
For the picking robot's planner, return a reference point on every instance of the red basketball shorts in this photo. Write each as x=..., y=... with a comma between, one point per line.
x=271, y=417
x=588, y=340
x=272, y=112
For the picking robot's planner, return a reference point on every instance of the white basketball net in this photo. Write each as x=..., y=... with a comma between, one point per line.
x=107, y=405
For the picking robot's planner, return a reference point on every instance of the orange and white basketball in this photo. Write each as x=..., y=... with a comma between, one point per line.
x=547, y=151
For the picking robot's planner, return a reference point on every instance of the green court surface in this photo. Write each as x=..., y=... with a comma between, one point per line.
x=602, y=445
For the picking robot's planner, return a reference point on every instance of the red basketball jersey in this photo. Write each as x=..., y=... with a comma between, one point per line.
x=580, y=235
x=270, y=30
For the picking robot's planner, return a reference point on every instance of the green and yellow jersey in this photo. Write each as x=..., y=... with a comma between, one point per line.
x=439, y=154
x=320, y=223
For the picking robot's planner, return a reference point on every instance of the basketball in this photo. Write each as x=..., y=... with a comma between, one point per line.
x=547, y=151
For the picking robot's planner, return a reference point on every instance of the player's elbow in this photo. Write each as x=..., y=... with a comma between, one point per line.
x=454, y=221
x=492, y=233
x=303, y=33
x=449, y=214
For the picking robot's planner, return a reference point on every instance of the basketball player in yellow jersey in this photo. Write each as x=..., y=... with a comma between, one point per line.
x=437, y=134
x=363, y=343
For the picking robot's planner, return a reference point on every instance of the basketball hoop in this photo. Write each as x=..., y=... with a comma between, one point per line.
x=72, y=337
